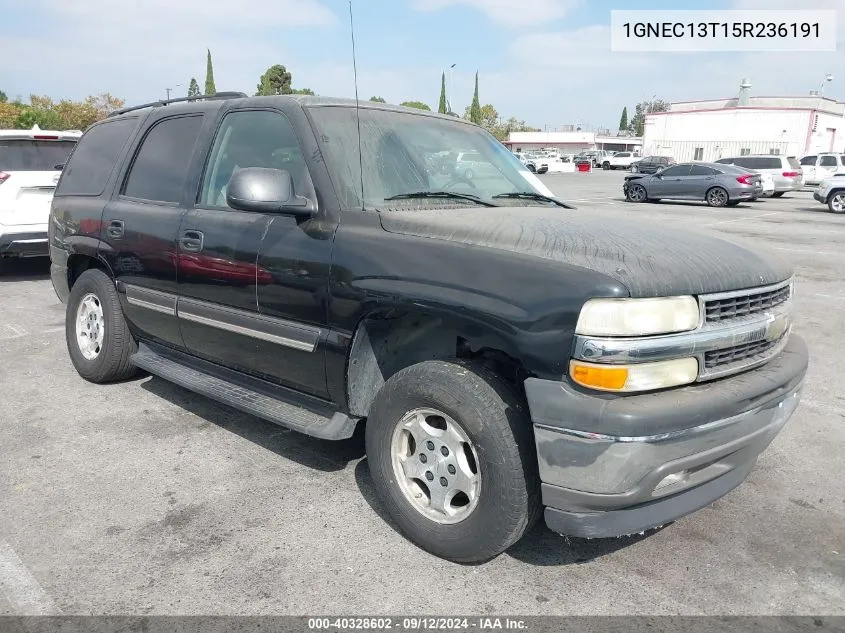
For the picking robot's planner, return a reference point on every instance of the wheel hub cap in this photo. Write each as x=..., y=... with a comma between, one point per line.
x=90, y=326
x=838, y=202
x=436, y=465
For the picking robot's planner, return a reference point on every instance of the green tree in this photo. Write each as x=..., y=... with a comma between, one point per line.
x=193, y=88
x=3, y=97
x=419, y=105
x=275, y=81
x=623, y=121
x=442, y=107
x=637, y=125
x=475, y=108
x=302, y=91
x=377, y=100
x=210, y=89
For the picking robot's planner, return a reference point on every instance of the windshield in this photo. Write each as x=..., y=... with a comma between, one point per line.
x=28, y=155
x=406, y=153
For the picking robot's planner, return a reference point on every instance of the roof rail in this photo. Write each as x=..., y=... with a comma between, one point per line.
x=163, y=102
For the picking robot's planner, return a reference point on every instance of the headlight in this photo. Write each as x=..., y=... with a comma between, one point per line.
x=638, y=317
x=637, y=377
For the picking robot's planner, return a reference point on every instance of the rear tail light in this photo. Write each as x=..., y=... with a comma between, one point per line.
x=790, y=174
x=745, y=180
x=4, y=177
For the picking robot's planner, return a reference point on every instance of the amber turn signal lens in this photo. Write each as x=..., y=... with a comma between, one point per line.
x=610, y=378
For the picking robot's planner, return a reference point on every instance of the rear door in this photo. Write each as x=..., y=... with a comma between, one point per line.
x=29, y=171
x=141, y=224
x=699, y=180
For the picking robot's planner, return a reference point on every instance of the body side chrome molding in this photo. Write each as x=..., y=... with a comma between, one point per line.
x=254, y=325
x=154, y=300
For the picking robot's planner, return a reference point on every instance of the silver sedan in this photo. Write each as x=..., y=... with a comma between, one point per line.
x=717, y=185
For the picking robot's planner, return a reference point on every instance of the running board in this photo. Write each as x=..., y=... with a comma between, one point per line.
x=245, y=394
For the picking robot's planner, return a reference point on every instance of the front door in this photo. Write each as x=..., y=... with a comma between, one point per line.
x=669, y=183
x=808, y=166
x=236, y=304
x=141, y=224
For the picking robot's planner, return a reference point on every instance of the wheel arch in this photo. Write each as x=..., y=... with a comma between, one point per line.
x=79, y=262
x=387, y=341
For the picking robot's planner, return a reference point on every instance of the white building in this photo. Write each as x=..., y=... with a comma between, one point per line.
x=571, y=142
x=709, y=130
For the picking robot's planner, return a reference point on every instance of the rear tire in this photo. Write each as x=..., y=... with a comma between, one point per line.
x=97, y=336
x=430, y=406
x=717, y=197
x=778, y=194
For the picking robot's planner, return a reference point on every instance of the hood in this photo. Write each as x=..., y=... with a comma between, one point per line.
x=649, y=260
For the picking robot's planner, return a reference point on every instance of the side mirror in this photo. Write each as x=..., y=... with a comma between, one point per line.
x=264, y=190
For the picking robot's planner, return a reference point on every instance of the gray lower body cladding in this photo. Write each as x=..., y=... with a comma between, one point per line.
x=612, y=466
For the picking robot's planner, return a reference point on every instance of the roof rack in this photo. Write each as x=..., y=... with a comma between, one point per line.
x=163, y=102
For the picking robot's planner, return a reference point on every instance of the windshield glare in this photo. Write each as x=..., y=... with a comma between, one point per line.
x=408, y=153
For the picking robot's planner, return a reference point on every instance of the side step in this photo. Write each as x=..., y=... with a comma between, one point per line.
x=250, y=398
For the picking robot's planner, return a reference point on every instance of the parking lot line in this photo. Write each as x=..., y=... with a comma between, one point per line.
x=8, y=331
x=752, y=217
x=20, y=587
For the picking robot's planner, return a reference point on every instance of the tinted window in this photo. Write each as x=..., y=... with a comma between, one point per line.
x=255, y=139
x=808, y=160
x=762, y=162
x=676, y=171
x=700, y=170
x=94, y=158
x=29, y=155
x=828, y=161
x=622, y=155
x=742, y=161
x=161, y=165
x=646, y=161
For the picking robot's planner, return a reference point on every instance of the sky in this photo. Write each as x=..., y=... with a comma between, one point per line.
x=547, y=62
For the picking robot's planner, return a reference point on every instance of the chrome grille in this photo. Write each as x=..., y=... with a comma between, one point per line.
x=748, y=351
x=739, y=305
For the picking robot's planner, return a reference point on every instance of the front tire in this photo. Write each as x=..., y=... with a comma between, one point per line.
x=97, y=336
x=637, y=193
x=451, y=452
x=836, y=202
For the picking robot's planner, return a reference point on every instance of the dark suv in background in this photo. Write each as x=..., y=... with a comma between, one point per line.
x=651, y=164
x=785, y=170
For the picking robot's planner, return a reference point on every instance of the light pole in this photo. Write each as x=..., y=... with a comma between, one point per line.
x=449, y=97
x=169, y=89
x=827, y=79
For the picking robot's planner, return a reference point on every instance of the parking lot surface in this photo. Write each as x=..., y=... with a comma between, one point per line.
x=143, y=498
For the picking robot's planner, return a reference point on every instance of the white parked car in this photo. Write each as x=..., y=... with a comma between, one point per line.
x=30, y=165
x=619, y=160
x=817, y=167
x=831, y=191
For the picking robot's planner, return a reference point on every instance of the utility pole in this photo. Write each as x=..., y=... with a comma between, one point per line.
x=449, y=97
x=169, y=89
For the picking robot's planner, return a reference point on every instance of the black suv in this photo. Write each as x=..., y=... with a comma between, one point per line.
x=305, y=260
x=651, y=164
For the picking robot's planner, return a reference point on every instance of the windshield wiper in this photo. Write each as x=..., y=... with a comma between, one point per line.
x=441, y=194
x=530, y=195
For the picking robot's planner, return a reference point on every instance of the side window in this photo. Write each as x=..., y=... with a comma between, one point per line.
x=676, y=171
x=828, y=161
x=252, y=138
x=162, y=162
x=808, y=160
x=701, y=170
x=93, y=159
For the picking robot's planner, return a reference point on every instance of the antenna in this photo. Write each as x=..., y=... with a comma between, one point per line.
x=357, y=103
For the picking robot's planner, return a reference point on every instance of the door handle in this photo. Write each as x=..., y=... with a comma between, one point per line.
x=192, y=241
x=115, y=229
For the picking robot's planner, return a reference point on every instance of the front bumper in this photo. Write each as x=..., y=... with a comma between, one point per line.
x=819, y=198
x=616, y=465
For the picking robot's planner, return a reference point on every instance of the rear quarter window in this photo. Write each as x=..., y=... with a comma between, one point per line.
x=92, y=162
